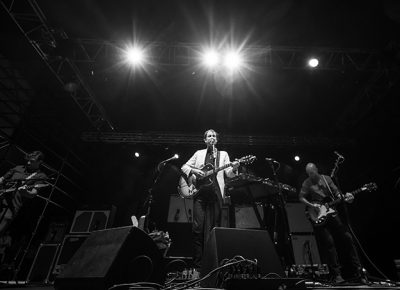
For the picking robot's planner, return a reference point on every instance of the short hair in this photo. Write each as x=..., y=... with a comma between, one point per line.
x=38, y=155
x=212, y=130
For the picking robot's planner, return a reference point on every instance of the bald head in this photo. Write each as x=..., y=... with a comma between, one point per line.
x=312, y=170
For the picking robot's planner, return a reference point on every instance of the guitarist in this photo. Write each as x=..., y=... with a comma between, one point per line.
x=16, y=187
x=208, y=202
x=334, y=239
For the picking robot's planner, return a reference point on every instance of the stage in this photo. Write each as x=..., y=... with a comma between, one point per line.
x=308, y=285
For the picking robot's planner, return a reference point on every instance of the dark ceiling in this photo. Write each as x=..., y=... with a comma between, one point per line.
x=263, y=100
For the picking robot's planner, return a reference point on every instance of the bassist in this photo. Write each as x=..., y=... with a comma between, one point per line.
x=334, y=239
x=207, y=204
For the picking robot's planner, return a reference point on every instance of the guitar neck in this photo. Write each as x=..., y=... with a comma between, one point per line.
x=336, y=201
x=218, y=169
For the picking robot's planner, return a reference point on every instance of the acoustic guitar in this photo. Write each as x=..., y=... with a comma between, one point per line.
x=189, y=187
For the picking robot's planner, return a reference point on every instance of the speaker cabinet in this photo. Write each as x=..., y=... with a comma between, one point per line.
x=305, y=250
x=245, y=217
x=180, y=210
x=298, y=222
x=43, y=263
x=86, y=221
x=226, y=243
x=110, y=257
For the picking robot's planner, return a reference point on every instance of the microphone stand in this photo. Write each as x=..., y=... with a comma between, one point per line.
x=335, y=169
x=281, y=207
x=149, y=200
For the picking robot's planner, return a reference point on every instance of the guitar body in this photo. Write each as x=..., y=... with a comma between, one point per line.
x=319, y=216
x=189, y=187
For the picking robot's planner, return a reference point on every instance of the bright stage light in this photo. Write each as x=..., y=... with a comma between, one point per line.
x=233, y=60
x=135, y=56
x=313, y=62
x=297, y=158
x=137, y=154
x=210, y=58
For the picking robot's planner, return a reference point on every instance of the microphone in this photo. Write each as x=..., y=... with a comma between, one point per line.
x=338, y=155
x=214, y=151
x=176, y=156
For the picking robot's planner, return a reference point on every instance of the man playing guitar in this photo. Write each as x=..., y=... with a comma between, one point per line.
x=18, y=185
x=207, y=204
x=333, y=236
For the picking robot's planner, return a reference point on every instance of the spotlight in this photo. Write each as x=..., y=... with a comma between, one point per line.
x=135, y=56
x=137, y=154
x=233, y=60
x=313, y=62
x=176, y=156
x=210, y=58
x=297, y=158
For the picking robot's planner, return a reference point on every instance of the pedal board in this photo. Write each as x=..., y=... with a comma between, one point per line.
x=266, y=283
x=182, y=276
x=308, y=271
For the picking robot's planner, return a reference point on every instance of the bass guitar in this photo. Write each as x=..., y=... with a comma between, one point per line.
x=189, y=187
x=318, y=216
x=23, y=187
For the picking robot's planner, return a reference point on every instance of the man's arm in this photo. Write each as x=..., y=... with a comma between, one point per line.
x=230, y=171
x=189, y=167
x=302, y=197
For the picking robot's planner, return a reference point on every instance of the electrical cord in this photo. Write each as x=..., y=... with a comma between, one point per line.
x=188, y=284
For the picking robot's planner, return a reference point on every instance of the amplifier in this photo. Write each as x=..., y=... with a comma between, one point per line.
x=86, y=221
x=43, y=262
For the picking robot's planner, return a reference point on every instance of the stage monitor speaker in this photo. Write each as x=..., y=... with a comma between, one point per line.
x=70, y=245
x=110, y=257
x=226, y=243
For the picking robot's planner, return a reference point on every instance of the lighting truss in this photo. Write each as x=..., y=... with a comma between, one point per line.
x=170, y=138
x=32, y=22
x=280, y=57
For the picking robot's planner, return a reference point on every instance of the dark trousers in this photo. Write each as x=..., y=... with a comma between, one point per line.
x=336, y=245
x=206, y=216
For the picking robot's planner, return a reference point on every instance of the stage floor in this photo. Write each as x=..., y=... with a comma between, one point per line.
x=308, y=285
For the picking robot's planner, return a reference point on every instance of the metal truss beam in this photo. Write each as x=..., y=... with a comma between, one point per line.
x=281, y=57
x=368, y=98
x=32, y=22
x=158, y=138
x=15, y=95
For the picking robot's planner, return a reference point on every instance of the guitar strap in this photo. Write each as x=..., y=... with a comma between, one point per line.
x=329, y=188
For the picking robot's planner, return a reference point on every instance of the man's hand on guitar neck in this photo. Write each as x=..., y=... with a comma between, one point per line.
x=27, y=191
x=235, y=165
x=348, y=197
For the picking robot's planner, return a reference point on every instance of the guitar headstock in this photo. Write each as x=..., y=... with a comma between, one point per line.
x=369, y=186
x=247, y=159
